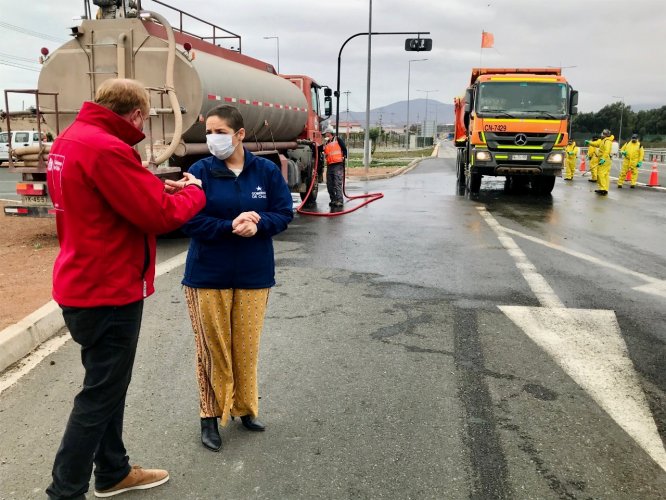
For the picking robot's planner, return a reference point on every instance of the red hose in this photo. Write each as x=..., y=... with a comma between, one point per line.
x=371, y=196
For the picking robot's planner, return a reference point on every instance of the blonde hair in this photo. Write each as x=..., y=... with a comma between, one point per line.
x=122, y=96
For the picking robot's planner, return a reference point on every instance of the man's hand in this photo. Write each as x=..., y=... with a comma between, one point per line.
x=602, y=161
x=173, y=187
x=245, y=229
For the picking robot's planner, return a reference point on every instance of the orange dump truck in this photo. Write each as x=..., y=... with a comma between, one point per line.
x=513, y=122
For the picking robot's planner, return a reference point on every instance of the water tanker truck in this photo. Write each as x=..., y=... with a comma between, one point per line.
x=513, y=122
x=186, y=75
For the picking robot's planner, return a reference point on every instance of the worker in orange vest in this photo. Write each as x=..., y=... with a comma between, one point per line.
x=335, y=153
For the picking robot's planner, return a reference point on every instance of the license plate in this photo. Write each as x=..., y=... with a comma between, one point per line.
x=35, y=200
x=519, y=157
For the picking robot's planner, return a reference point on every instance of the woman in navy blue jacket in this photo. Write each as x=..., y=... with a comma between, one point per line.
x=229, y=271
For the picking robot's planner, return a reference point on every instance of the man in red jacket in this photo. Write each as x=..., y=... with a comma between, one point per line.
x=108, y=210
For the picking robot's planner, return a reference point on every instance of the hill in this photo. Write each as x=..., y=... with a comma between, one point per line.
x=396, y=114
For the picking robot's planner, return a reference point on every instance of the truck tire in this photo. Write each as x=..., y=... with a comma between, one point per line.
x=313, y=194
x=460, y=168
x=474, y=182
x=543, y=184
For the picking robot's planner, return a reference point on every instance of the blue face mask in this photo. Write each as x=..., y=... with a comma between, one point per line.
x=220, y=145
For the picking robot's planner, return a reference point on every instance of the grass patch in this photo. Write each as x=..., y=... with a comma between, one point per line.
x=399, y=158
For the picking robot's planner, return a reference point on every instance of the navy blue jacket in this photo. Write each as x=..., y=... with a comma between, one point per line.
x=219, y=259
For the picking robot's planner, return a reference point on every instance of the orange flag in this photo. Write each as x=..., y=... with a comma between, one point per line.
x=487, y=40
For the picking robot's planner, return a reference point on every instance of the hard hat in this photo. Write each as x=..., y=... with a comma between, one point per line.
x=329, y=130
x=605, y=132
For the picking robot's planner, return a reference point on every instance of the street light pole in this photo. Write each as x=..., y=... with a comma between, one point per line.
x=619, y=137
x=366, y=141
x=409, y=76
x=277, y=39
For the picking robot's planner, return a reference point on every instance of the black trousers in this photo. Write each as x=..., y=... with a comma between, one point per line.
x=334, y=177
x=108, y=337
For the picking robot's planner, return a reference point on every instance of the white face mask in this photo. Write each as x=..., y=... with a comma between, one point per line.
x=220, y=145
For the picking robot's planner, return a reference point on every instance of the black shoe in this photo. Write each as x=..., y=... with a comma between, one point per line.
x=619, y=186
x=210, y=436
x=568, y=178
x=252, y=424
x=591, y=180
x=632, y=186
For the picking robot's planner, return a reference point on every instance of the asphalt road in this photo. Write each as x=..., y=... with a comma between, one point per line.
x=428, y=345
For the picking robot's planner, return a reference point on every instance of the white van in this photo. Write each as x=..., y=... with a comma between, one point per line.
x=20, y=138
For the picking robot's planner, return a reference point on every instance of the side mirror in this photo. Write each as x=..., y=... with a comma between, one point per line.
x=469, y=105
x=574, y=98
x=573, y=102
x=328, y=106
x=328, y=91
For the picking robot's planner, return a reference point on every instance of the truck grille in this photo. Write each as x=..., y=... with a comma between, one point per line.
x=532, y=140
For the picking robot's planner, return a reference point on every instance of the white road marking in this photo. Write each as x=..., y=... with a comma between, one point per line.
x=25, y=366
x=655, y=286
x=588, y=345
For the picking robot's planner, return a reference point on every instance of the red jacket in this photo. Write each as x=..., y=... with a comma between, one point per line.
x=108, y=210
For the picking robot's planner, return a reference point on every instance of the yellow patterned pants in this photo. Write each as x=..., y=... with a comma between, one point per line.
x=227, y=327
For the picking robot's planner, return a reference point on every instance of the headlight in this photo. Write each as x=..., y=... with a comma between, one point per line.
x=556, y=158
x=483, y=156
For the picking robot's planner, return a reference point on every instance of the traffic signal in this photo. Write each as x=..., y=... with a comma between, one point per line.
x=418, y=44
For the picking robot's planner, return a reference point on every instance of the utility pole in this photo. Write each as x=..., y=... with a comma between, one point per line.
x=346, y=93
x=366, y=142
x=409, y=76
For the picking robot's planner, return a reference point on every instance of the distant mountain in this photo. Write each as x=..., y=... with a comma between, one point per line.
x=396, y=114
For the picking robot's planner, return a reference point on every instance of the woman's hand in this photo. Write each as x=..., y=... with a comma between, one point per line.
x=246, y=217
x=245, y=229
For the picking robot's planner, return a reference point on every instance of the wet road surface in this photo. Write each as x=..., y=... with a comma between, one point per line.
x=428, y=345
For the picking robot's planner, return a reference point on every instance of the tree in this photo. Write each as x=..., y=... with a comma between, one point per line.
x=374, y=135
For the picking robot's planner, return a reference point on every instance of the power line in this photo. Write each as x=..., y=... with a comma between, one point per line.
x=26, y=31
x=18, y=58
x=19, y=66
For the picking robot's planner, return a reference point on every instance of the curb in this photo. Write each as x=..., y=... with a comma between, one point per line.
x=20, y=339
x=402, y=170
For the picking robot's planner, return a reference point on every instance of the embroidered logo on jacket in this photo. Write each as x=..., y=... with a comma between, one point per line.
x=258, y=193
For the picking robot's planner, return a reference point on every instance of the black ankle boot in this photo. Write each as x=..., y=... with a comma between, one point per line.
x=210, y=436
x=252, y=424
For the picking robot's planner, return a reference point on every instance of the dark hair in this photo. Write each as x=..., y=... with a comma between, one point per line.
x=229, y=114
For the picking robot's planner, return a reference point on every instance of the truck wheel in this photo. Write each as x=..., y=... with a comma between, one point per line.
x=460, y=169
x=474, y=182
x=543, y=184
x=313, y=194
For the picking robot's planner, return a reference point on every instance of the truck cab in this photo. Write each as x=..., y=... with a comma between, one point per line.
x=514, y=123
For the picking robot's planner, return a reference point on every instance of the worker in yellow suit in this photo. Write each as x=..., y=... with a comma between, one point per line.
x=633, y=154
x=604, y=147
x=570, y=155
x=593, y=160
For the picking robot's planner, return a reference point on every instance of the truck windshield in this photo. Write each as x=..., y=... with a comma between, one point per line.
x=522, y=98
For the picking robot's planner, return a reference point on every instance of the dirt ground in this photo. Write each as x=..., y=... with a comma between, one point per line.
x=27, y=250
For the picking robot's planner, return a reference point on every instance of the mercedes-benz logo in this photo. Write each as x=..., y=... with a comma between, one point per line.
x=520, y=140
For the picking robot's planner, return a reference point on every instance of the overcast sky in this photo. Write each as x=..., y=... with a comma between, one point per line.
x=606, y=47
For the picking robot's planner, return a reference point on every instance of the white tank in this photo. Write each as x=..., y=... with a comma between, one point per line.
x=273, y=108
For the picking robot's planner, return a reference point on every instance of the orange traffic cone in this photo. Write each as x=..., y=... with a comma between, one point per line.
x=628, y=177
x=654, y=175
x=582, y=164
